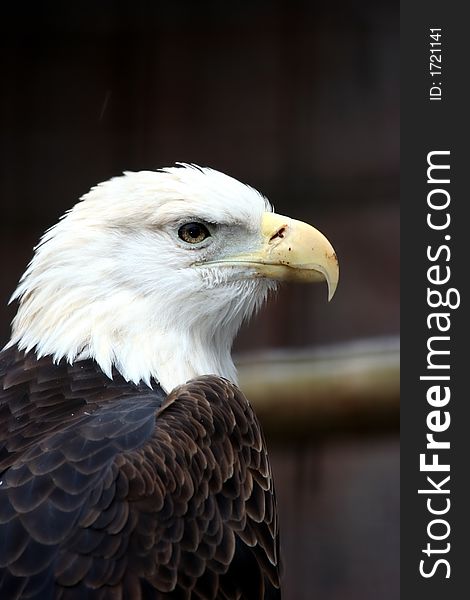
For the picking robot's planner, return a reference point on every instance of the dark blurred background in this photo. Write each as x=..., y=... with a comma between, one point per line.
x=300, y=100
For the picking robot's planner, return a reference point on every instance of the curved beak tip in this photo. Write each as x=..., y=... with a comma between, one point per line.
x=332, y=278
x=331, y=290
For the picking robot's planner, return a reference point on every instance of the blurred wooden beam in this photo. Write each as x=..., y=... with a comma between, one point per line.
x=350, y=387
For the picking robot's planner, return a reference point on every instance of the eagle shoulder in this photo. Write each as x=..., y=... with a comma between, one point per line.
x=109, y=489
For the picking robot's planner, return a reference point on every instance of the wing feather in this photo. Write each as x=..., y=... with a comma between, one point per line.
x=110, y=490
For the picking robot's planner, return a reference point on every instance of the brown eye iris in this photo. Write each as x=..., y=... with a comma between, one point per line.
x=193, y=233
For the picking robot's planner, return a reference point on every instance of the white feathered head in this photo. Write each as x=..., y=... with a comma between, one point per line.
x=153, y=273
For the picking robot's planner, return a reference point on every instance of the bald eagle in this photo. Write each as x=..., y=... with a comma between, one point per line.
x=131, y=465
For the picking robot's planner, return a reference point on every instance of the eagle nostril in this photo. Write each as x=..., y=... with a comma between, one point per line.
x=279, y=233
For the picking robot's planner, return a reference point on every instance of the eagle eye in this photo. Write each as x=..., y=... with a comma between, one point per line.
x=193, y=233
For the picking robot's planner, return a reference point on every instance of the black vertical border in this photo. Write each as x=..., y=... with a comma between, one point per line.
x=427, y=126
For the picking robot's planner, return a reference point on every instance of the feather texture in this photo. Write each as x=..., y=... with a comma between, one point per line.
x=113, y=281
x=112, y=490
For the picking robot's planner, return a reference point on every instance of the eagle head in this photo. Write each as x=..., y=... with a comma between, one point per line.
x=153, y=272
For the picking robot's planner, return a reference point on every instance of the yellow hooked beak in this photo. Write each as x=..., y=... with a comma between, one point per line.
x=291, y=250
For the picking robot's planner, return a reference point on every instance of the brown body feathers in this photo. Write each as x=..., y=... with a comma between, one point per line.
x=109, y=490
